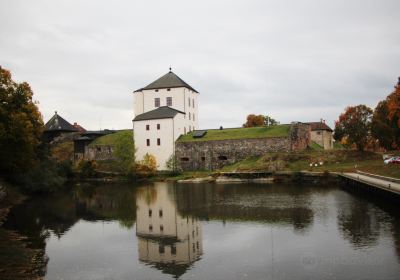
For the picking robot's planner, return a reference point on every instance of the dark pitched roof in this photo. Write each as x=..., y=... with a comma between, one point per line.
x=319, y=126
x=169, y=80
x=57, y=123
x=163, y=112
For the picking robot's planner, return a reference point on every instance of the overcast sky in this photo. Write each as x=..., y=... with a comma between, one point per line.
x=293, y=60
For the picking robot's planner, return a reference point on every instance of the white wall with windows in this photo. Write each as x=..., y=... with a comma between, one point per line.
x=182, y=99
x=157, y=137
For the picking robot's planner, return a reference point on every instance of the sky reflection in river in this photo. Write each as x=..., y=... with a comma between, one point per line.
x=208, y=231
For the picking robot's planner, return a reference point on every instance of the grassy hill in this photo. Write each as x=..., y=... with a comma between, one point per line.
x=111, y=139
x=239, y=133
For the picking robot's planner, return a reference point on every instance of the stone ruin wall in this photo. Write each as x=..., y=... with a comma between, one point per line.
x=212, y=155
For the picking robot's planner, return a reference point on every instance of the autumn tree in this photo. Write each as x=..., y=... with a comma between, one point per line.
x=354, y=125
x=254, y=120
x=393, y=103
x=382, y=128
x=21, y=126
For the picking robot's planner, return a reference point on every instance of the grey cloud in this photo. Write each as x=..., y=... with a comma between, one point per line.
x=295, y=60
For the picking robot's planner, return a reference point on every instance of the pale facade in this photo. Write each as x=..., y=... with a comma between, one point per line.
x=163, y=110
x=164, y=236
x=321, y=134
x=157, y=137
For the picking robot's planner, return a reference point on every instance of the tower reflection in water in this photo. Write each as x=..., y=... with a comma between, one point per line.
x=166, y=239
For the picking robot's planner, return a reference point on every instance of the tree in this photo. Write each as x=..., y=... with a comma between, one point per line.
x=124, y=153
x=393, y=103
x=254, y=120
x=21, y=126
x=147, y=166
x=354, y=125
x=382, y=128
x=270, y=121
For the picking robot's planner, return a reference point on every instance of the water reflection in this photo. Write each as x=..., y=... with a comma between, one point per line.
x=159, y=230
x=287, y=205
x=166, y=239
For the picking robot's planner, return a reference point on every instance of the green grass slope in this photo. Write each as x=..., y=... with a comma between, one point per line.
x=239, y=133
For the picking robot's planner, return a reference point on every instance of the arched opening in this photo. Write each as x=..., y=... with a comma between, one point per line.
x=222, y=158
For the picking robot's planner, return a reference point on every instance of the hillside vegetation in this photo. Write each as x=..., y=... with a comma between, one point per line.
x=240, y=133
x=332, y=161
x=111, y=139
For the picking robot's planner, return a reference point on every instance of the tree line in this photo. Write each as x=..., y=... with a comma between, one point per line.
x=364, y=128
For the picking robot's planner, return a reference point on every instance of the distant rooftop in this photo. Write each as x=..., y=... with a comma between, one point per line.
x=169, y=80
x=57, y=123
x=163, y=112
x=319, y=126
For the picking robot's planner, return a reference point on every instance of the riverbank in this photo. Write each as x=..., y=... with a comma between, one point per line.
x=17, y=260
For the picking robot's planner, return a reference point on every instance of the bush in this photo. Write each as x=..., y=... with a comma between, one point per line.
x=86, y=168
x=147, y=166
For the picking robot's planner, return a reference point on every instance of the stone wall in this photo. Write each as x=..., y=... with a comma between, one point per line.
x=211, y=155
x=99, y=152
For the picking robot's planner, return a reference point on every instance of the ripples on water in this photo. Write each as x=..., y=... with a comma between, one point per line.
x=211, y=231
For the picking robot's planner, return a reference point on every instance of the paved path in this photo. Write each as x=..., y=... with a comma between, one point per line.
x=375, y=182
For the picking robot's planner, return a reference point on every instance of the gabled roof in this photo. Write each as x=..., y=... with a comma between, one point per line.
x=169, y=80
x=319, y=126
x=57, y=123
x=163, y=112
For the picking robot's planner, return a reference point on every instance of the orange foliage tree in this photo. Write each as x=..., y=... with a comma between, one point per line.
x=354, y=125
x=21, y=126
x=254, y=120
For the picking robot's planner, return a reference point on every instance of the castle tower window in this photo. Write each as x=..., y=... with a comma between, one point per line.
x=168, y=89
x=150, y=228
x=150, y=212
x=158, y=126
x=147, y=127
x=161, y=228
x=190, y=116
x=148, y=142
x=193, y=116
x=184, y=159
x=189, y=101
x=184, y=130
x=156, y=90
x=173, y=250
x=158, y=142
x=193, y=103
x=222, y=158
x=169, y=101
x=157, y=102
x=203, y=158
x=160, y=213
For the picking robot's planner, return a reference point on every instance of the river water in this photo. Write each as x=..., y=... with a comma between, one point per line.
x=211, y=231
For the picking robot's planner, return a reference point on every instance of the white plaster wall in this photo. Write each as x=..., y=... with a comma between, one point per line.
x=144, y=102
x=170, y=130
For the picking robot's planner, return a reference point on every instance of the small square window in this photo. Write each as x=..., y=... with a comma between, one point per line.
x=148, y=142
x=168, y=89
x=156, y=90
x=147, y=127
x=158, y=126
